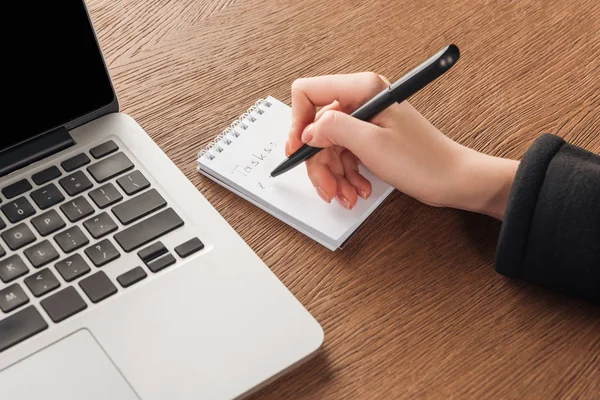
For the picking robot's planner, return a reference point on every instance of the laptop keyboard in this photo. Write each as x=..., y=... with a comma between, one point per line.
x=42, y=257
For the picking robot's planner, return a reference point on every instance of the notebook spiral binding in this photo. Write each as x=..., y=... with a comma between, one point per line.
x=234, y=130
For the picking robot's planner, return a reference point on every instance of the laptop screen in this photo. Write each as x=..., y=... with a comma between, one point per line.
x=52, y=68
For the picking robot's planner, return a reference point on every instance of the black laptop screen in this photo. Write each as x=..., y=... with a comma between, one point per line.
x=52, y=68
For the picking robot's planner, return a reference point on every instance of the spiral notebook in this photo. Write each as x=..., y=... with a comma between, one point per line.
x=242, y=157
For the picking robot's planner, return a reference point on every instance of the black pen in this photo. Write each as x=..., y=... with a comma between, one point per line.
x=397, y=92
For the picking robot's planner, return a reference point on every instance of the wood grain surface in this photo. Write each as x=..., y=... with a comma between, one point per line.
x=412, y=308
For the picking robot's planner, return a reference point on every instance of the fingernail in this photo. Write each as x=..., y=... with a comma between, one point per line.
x=343, y=201
x=307, y=134
x=384, y=79
x=323, y=195
x=363, y=193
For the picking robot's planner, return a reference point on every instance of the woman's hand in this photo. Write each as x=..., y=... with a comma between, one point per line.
x=399, y=145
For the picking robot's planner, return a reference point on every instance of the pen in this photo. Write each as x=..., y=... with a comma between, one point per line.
x=397, y=92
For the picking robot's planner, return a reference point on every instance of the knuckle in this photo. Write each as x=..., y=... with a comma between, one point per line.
x=330, y=117
x=297, y=84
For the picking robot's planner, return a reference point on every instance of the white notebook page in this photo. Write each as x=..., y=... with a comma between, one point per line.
x=246, y=161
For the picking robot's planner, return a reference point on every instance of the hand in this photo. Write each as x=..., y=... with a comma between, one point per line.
x=399, y=145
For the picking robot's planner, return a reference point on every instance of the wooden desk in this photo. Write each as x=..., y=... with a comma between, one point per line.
x=412, y=308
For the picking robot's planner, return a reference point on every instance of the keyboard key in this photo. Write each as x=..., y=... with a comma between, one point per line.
x=2, y=224
x=148, y=230
x=18, y=236
x=2, y=251
x=46, y=175
x=20, y=326
x=102, y=253
x=48, y=223
x=151, y=252
x=161, y=263
x=98, y=287
x=17, y=210
x=41, y=254
x=72, y=268
x=71, y=239
x=75, y=183
x=190, y=247
x=63, y=304
x=47, y=196
x=16, y=188
x=75, y=162
x=12, y=297
x=104, y=149
x=110, y=167
x=100, y=225
x=12, y=268
x=138, y=207
x=42, y=282
x=77, y=209
x=106, y=195
x=132, y=276
x=133, y=182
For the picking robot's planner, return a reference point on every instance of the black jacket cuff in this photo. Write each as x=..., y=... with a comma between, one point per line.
x=551, y=231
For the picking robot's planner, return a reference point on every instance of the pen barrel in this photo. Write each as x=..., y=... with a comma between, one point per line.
x=302, y=154
x=424, y=74
x=374, y=106
x=410, y=84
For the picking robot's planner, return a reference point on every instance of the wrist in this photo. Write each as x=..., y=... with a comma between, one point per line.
x=484, y=183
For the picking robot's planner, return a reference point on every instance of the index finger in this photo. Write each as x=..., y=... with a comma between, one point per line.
x=350, y=90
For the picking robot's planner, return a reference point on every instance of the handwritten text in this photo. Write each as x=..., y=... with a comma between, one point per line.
x=255, y=160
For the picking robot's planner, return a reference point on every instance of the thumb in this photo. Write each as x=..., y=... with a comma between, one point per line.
x=335, y=128
x=294, y=141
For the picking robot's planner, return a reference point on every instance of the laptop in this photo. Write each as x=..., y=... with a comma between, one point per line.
x=118, y=280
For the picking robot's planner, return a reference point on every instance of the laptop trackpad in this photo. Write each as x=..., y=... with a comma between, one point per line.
x=74, y=368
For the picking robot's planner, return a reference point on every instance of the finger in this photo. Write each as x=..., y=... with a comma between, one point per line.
x=322, y=179
x=297, y=143
x=330, y=158
x=337, y=128
x=346, y=193
x=352, y=174
x=294, y=143
x=351, y=91
x=333, y=106
x=386, y=80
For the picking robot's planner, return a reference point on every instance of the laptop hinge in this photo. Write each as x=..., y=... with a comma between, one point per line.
x=34, y=150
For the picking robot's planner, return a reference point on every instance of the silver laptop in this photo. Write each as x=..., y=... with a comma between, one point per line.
x=118, y=280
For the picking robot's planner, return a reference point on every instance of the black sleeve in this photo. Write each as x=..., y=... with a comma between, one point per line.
x=551, y=231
